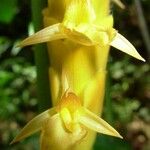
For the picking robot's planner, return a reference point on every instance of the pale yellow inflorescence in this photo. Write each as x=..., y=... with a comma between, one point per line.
x=79, y=34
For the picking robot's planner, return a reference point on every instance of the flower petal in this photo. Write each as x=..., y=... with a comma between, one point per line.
x=122, y=44
x=34, y=125
x=45, y=35
x=55, y=137
x=93, y=122
x=66, y=118
x=91, y=34
x=78, y=37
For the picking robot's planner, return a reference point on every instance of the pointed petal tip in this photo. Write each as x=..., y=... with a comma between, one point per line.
x=138, y=56
x=114, y=133
x=25, y=42
x=118, y=135
x=93, y=122
x=119, y=3
x=34, y=125
x=13, y=141
x=21, y=44
x=17, y=45
x=121, y=43
x=142, y=59
x=47, y=34
x=121, y=137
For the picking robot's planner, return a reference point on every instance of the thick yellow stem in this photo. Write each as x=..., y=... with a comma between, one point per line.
x=83, y=66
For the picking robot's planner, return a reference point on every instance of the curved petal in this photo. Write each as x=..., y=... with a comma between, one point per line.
x=93, y=122
x=47, y=34
x=34, y=125
x=90, y=34
x=55, y=137
x=66, y=118
x=122, y=44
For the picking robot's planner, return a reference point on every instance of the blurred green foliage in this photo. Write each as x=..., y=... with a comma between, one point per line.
x=127, y=92
x=16, y=86
x=8, y=10
x=107, y=143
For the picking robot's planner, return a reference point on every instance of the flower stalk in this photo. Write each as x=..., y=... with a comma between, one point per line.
x=42, y=64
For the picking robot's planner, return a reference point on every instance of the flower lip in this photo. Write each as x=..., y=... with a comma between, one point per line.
x=70, y=101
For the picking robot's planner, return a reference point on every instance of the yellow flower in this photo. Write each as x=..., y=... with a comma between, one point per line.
x=79, y=34
x=66, y=124
x=82, y=25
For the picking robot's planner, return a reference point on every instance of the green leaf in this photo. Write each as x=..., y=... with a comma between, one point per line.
x=8, y=9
